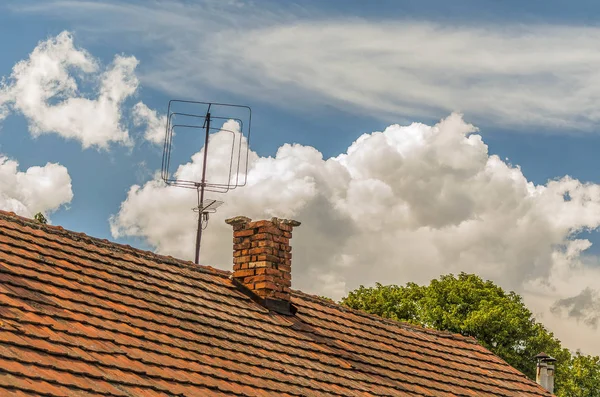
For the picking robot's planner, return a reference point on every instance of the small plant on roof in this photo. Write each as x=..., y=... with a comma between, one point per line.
x=40, y=218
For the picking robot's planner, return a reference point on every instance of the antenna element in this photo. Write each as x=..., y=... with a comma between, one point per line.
x=204, y=112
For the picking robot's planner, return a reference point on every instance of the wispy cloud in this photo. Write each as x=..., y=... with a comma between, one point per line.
x=527, y=75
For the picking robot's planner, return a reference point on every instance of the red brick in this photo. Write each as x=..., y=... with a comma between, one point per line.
x=271, y=230
x=281, y=240
x=267, y=270
x=265, y=285
x=260, y=264
x=239, y=226
x=263, y=236
x=243, y=273
x=265, y=243
x=257, y=251
x=285, y=268
x=280, y=282
x=284, y=227
x=241, y=259
x=270, y=258
x=257, y=224
x=243, y=233
x=261, y=278
x=240, y=246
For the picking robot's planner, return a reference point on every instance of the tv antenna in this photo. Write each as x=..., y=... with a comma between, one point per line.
x=200, y=116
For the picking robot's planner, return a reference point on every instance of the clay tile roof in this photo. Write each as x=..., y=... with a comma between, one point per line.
x=81, y=316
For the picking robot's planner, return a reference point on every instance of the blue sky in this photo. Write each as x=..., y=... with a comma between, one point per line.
x=322, y=74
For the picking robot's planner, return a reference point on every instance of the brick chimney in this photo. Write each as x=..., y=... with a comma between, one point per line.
x=262, y=260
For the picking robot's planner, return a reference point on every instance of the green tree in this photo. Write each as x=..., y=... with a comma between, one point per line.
x=470, y=306
x=581, y=377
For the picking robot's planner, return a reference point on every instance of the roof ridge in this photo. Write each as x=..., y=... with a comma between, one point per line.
x=105, y=243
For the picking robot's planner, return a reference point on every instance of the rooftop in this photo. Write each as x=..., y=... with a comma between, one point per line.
x=81, y=316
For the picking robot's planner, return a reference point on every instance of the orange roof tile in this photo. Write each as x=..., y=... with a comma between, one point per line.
x=81, y=316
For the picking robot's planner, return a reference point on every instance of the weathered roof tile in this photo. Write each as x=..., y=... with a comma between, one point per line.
x=85, y=317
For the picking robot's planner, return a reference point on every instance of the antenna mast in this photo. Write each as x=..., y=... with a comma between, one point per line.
x=202, y=186
x=238, y=160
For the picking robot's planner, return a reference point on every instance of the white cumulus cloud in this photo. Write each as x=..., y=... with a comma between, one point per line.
x=154, y=123
x=405, y=204
x=38, y=189
x=44, y=88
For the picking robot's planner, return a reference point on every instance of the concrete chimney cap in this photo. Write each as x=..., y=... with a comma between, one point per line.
x=236, y=220
x=290, y=222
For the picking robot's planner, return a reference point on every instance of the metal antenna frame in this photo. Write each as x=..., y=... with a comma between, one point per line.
x=204, y=207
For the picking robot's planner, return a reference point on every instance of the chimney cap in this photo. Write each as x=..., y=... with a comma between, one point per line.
x=543, y=357
x=290, y=222
x=237, y=220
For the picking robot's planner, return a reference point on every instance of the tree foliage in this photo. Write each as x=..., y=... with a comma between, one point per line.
x=581, y=377
x=470, y=306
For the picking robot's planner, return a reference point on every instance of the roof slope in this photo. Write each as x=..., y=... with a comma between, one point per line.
x=85, y=317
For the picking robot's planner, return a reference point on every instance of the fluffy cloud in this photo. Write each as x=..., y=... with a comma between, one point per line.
x=154, y=124
x=406, y=204
x=44, y=89
x=39, y=189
